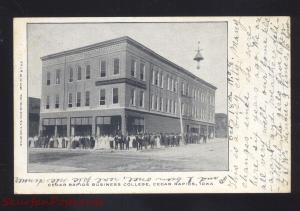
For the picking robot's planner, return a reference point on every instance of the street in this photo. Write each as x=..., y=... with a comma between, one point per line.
x=211, y=156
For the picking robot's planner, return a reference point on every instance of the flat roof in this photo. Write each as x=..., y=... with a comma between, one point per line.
x=133, y=42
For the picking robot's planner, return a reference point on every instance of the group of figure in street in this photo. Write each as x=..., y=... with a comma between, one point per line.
x=119, y=141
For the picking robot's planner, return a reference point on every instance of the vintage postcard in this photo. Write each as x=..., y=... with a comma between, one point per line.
x=152, y=105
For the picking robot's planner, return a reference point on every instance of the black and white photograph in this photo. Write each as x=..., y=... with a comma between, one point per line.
x=127, y=97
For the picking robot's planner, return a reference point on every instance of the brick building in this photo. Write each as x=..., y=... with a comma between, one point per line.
x=121, y=85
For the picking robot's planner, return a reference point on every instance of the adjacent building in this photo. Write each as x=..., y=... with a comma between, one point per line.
x=33, y=116
x=221, y=125
x=120, y=85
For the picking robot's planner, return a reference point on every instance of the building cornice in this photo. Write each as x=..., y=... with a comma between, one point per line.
x=132, y=42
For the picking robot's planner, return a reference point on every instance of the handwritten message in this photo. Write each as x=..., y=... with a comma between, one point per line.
x=259, y=104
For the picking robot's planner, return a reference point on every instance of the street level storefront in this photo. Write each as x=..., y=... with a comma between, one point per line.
x=126, y=122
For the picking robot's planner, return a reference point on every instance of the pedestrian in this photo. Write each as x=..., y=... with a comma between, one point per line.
x=127, y=142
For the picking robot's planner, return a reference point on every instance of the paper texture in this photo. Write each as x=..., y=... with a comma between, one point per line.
x=258, y=106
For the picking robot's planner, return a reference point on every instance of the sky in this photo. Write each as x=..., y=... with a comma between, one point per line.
x=176, y=42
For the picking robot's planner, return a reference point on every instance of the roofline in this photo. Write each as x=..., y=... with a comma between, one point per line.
x=136, y=44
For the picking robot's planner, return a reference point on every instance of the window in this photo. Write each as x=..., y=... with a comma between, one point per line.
x=141, y=98
x=152, y=101
x=175, y=86
x=102, y=96
x=71, y=74
x=48, y=78
x=102, y=68
x=157, y=103
x=156, y=78
x=57, y=77
x=78, y=73
x=170, y=106
x=87, y=98
x=182, y=108
x=47, y=102
x=169, y=84
x=161, y=104
x=167, y=105
x=88, y=72
x=142, y=71
x=115, y=95
x=133, y=68
x=116, y=66
x=57, y=101
x=78, y=99
x=182, y=89
x=70, y=100
x=153, y=76
x=172, y=84
x=161, y=80
x=132, y=97
x=187, y=90
x=175, y=107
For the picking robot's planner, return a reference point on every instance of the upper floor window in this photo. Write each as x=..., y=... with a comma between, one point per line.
x=141, y=98
x=161, y=105
x=70, y=101
x=102, y=97
x=78, y=73
x=133, y=68
x=182, y=89
x=57, y=101
x=153, y=76
x=115, y=95
x=169, y=83
x=47, y=102
x=116, y=66
x=70, y=74
x=156, y=78
x=102, y=68
x=142, y=71
x=161, y=80
x=88, y=72
x=152, y=101
x=167, y=105
x=48, y=78
x=57, y=78
x=175, y=86
x=172, y=84
x=87, y=98
x=157, y=103
x=175, y=107
x=78, y=99
x=132, y=97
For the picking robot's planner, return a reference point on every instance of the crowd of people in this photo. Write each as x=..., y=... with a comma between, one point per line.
x=117, y=142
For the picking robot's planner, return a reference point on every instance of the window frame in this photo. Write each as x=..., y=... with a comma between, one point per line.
x=101, y=70
x=113, y=95
x=70, y=94
x=86, y=72
x=77, y=99
x=100, y=100
x=56, y=101
x=119, y=64
x=89, y=98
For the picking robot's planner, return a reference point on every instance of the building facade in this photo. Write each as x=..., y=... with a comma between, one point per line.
x=121, y=86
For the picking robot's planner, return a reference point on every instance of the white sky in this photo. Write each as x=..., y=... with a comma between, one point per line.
x=174, y=41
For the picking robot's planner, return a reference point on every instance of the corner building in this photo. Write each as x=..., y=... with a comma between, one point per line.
x=120, y=85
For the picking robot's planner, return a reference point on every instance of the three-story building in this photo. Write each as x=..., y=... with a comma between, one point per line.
x=120, y=85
